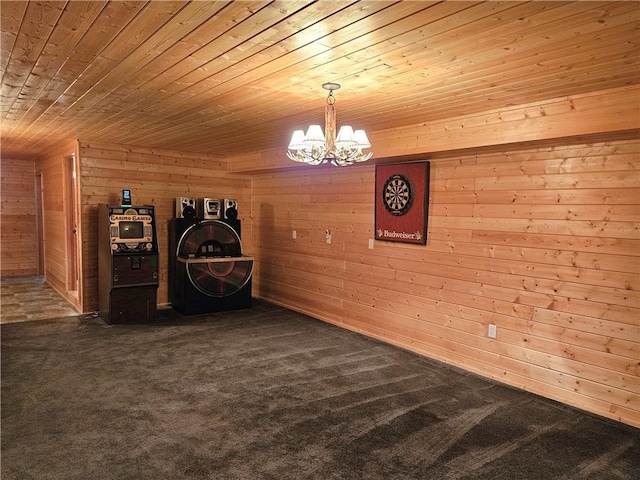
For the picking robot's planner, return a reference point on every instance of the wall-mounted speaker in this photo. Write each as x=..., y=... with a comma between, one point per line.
x=186, y=207
x=211, y=208
x=230, y=209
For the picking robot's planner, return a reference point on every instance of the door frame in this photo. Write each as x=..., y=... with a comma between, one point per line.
x=72, y=224
x=40, y=238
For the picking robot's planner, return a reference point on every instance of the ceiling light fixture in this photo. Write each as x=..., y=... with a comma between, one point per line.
x=341, y=150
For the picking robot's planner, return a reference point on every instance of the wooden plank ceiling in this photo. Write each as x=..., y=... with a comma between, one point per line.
x=233, y=77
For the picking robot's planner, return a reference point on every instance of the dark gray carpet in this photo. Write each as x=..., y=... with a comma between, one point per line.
x=267, y=393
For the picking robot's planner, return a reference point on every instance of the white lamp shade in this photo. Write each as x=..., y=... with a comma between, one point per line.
x=361, y=139
x=314, y=137
x=297, y=140
x=345, y=138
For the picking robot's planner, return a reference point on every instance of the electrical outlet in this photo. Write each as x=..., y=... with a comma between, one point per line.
x=327, y=235
x=371, y=244
x=493, y=331
x=294, y=235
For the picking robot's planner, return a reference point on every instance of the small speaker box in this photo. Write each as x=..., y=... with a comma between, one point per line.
x=230, y=209
x=212, y=208
x=186, y=207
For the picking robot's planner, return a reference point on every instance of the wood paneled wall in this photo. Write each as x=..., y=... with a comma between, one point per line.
x=155, y=177
x=543, y=242
x=18, y=235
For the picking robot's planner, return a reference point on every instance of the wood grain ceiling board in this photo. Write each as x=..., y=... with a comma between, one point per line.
x=340, y=54
x=184, y=86
x=270, y=93
x=34, y=31
x=155, y=29
x=205, y=77
x=50, y=76
x=10, y=20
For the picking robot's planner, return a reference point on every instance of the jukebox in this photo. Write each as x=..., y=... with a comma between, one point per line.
x=208, y=271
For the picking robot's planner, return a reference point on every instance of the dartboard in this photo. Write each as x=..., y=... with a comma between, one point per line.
x=397, y=194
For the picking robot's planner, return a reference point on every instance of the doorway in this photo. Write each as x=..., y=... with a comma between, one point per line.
x=58, y=226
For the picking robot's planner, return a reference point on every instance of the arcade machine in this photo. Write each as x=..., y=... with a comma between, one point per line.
x=207, y=270
x=127, y=262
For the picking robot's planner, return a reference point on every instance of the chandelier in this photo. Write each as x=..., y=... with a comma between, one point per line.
x=341, y=150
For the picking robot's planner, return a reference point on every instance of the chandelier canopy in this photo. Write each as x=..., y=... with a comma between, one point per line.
x=341, y=150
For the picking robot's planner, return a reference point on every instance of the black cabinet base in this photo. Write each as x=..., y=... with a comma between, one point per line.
x=188, y=301
x=132, y=305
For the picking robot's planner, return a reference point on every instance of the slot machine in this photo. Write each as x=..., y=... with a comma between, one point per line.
x=128, y=273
